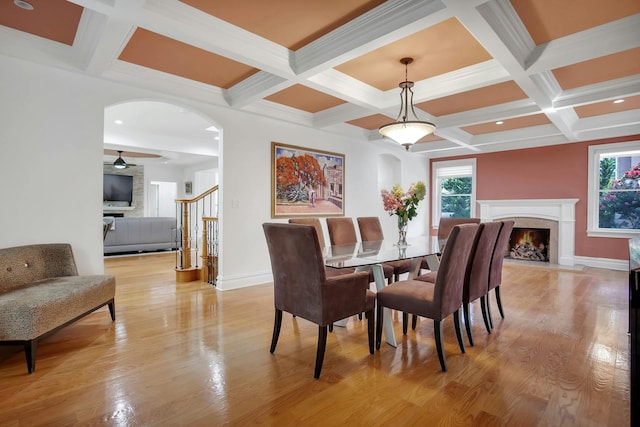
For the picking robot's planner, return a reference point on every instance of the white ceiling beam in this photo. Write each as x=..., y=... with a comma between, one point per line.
x=606, y=39
x=391, y=21
x=508, y=110
x=613, y=89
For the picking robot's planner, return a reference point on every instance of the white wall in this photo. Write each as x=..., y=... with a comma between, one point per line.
x=51, y=145
x=50, y=116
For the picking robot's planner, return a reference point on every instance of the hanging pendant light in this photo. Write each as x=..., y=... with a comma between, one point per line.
x=405, y=131
x=120, y=163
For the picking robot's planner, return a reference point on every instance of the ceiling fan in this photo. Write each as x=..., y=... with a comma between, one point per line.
x=120, y=162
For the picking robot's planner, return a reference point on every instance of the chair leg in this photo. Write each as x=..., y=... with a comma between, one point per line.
x=331, y=327
x=414, y=321
x=322, y=344
x=359, y=316
x=489, y=312
x=276, y=330
x=485, y=314
x=437, y=329
x=30, y=348
x=405, y=321
x=467, y=322
x=499, y=301
x=379, y=318
x=456, y=323
x=112, y=310
x=370, y=328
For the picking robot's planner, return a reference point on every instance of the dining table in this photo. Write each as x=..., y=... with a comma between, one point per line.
x=371, y=255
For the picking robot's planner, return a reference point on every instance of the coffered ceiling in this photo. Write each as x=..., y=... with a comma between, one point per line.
x=492, y=75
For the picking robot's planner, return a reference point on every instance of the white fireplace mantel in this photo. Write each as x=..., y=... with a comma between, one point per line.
x=561, y=210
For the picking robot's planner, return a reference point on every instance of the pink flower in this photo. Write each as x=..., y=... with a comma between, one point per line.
x=397, y=202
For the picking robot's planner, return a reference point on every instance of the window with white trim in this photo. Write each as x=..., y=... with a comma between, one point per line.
x=454, y=189
x=614, y=190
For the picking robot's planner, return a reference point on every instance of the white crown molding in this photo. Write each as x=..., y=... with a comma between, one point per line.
x=533, y=132
x=536, y=141
x=35, y=49
x=254, y=88
x=508, y=110
x=184, y=23
x=280, y=112
x=443, y=148
x=158, y=81
x=346, y=87
x=467, y=78
x=565, y=121
x=458, y=137
x=100, y=41
x=608, y=121
x=618, y=88
x=339, y=114
x=546, y=87
x=606, y=39
x=506, y=24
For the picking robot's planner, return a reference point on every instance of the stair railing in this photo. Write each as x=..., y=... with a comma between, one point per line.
x=197, y=237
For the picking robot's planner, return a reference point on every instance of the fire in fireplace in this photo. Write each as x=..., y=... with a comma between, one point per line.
x=531, y=244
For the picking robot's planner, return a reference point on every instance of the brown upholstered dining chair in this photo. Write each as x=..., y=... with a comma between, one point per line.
x=433, y=300
x=476, y=280
x=445, y=225
x=495, y=274
x=302, y=288
x=315, y=222
x=371, y=230
x=342, y=232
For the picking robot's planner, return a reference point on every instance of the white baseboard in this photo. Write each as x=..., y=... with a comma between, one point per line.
x=227, y=283
x=607, y=263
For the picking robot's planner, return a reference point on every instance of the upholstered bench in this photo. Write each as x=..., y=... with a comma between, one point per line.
x=41, y=292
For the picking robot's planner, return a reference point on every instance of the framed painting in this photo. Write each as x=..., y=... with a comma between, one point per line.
x=306, y=182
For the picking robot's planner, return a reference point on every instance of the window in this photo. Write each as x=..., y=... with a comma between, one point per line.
x=614, y=190
x=454, y=193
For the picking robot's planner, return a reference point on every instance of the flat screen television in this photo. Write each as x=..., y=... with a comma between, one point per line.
x=117, y=188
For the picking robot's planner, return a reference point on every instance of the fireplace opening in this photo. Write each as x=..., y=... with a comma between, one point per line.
x=531, y=244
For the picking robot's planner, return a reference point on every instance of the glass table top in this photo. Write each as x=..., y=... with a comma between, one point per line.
x=375, y=252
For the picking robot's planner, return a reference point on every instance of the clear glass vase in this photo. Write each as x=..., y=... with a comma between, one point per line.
x=403, y=224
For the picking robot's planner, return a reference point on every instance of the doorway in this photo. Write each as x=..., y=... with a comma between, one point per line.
x=162, y=196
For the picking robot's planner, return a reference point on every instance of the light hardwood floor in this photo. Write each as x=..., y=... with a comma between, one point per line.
x=184, y=354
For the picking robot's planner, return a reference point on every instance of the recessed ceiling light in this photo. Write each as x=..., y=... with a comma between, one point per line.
x=499, y=122
x=23, y=4
x=618, y=101
x=212, y=129
x=118, y=122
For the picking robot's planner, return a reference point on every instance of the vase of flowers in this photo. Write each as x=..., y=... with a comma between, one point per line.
x=404, y=205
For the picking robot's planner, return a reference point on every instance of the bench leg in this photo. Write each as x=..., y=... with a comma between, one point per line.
x=30, y=353
x=112, y=310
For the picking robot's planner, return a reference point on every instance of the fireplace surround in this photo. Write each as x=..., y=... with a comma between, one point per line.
x=556, y=214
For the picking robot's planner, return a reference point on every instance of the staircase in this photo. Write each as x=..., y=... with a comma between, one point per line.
x=197, y=234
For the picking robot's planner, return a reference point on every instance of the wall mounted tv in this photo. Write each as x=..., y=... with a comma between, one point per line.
x=117, y=188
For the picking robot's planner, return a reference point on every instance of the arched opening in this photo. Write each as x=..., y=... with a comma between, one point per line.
x=171, y=151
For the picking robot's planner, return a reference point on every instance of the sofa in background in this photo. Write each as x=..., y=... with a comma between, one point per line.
x=41, y=292
x=140, y=234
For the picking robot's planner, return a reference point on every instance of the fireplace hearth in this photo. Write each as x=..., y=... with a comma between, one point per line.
x=530, y=244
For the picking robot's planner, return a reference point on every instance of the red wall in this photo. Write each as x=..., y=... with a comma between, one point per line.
x=554, y=172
